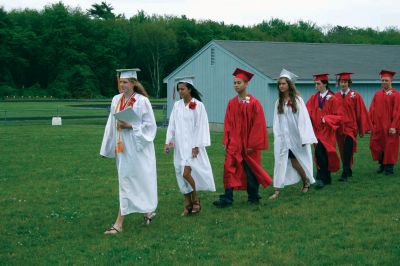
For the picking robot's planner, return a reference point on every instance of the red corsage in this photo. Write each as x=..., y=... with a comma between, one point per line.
x=131, y=102
x=289, y=103
x=192, y=105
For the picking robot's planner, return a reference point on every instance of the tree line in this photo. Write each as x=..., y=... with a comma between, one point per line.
x=66, y=52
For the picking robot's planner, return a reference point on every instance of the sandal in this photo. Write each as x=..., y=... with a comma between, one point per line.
x=113, y=231
x=196, y=206
x=275, y=195
x=306, y=187
x=147, y=219
x=187, y=209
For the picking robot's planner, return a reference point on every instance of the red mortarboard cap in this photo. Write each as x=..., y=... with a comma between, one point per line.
x=387, y=73
x=344, y=75
x=243, y=74
x=321, y=77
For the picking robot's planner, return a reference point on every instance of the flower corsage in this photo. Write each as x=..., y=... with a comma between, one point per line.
x=192, y=105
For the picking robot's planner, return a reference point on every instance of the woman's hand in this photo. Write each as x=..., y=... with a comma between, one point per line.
x=195, y=152
x=392, y=131
x=123, y=124
x=166, y=148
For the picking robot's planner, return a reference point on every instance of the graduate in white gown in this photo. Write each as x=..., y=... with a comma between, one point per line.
x=293, y=136
x=131, y=144
x=188, y=132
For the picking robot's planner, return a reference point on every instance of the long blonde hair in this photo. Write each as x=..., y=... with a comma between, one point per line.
x=138, y=87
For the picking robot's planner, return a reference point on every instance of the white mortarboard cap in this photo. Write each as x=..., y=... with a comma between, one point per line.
x=128, y=73
x=288, y=74
x=187, y=79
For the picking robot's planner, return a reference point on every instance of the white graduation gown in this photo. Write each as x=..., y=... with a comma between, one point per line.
x=136, y=164
x=291, y=131
x=188, y=128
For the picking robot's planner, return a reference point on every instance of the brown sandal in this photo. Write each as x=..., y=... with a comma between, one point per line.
x=113, y=231
x=306, y=187
x=187, y=209
x=196, y=206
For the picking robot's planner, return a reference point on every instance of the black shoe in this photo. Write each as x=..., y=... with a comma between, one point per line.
x=389, y=169
x=221, y=203
x=328, y=180
x=343, y=178
x=350, y=173
x=319, y=184
x=253, y=201
x=381, y=169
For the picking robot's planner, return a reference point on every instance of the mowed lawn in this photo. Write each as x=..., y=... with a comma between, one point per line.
x=57, y=196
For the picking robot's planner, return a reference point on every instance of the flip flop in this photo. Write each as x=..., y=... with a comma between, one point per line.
x=148, y=219
x=112, y=231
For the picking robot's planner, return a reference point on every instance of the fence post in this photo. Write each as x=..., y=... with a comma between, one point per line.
x=5, y=115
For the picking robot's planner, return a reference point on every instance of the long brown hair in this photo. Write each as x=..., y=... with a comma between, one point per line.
x=292, y=95
x=138, y=87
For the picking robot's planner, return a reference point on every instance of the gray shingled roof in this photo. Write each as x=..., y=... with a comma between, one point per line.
x=306, y=59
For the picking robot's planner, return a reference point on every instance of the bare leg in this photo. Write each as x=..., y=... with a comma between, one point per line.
x=117, y=227
x=296, y=165
x=187, y=174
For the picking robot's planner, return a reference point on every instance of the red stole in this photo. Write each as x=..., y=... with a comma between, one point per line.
x=122, y=105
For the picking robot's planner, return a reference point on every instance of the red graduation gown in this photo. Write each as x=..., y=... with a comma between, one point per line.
x=326, y=132
x=244, y=128
x=384, y=113
x=355, y=119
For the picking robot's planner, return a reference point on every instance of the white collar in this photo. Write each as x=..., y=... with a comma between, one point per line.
x=345, y=93
x=322, y=95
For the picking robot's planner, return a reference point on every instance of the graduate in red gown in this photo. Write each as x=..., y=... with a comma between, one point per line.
x=245, y=135
x=324, y=111
x=355, y=121
x=384, y=113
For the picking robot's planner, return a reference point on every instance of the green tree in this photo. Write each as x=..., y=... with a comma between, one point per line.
x=155, y=45
x=101, y=11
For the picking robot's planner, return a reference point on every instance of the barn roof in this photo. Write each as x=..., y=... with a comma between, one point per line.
x=306, y=59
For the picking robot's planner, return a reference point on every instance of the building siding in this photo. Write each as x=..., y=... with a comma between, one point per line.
x=215, y=82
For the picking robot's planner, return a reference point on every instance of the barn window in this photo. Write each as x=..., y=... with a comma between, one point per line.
x=212, y=56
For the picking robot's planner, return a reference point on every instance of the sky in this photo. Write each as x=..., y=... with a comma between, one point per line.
x=377, y=14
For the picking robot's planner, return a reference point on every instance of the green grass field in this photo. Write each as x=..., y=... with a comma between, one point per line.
x=41, y=112
x=58, y=196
